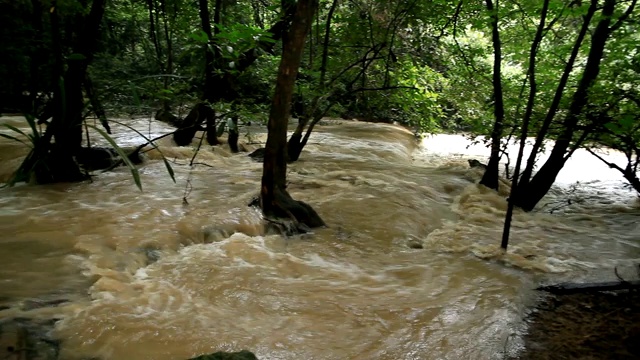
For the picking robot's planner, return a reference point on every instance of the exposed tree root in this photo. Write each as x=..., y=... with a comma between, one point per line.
x=289, y=216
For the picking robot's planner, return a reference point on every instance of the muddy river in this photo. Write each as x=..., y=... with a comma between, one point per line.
x=148, y=277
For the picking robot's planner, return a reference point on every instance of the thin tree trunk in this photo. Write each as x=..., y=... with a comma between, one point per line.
x=275, y=201
x=296, y=142
x=36, y=55
x=213, y=90
x=153, y=33
x=205, y=22
x=525, y=121
x=555, y=103
x=67, y=120
x=529, y=196
x=490, y=177
x=169, y=68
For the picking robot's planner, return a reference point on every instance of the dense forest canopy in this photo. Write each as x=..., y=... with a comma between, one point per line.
x=562, y=70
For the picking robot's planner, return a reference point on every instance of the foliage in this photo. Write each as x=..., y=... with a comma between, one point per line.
x=424, y=64
x=29, y=167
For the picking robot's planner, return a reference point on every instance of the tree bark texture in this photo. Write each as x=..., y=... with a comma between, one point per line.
x=66, y=125
x=274, y=198
x=490, y=177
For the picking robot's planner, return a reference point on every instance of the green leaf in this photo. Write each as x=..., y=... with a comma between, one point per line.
x=16, y=130
x=32, y=123
x=613, y=127
x=125, y=158
x=221, y=128
x=199, y=36
x=13, y=138
x=136, y=98
x=164, y=158
x=76, y=57
x=627, y=121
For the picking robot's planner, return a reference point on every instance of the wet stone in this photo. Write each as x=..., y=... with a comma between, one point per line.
x=37, y=303
x=258, y=155
x=415, y=244
x=22, y=338
x=152, y=255
x=220, y=355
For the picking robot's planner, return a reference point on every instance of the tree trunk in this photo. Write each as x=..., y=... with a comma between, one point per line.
x=36, y=56
x=66, y=124
x=297, y=142
x=169, y=69
x=555, y=103
x=153, y=33
x=490, y=177
x=233, y=134
x=221, y=86
x=275, y=201
x=294, y=145
x=533, y=90
x=529, y=194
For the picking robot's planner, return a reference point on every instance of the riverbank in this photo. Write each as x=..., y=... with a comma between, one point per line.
x=599, y=325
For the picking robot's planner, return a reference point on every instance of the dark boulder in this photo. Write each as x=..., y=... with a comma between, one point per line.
x=258, y=155
x=477, y=164
x=22, y=338
x=97, y=158
x=221, y=355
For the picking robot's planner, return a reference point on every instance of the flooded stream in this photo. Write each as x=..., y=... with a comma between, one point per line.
x=150, y=278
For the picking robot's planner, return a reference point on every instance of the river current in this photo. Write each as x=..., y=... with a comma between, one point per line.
x=150, y=277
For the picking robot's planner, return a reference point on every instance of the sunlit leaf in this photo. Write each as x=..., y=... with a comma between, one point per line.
x=122, y=154
x=164, y=158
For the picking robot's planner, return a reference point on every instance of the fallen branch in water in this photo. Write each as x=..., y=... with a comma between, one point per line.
x=574, y=288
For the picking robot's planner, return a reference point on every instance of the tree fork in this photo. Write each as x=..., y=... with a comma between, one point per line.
x=528, y=196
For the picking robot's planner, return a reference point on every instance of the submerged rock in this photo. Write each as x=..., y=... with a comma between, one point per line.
x=22, y=338
x=221, y=355
x=258, y=155
x=97, y=158
x=39, y=303
x=415, y=244
x=477, y=164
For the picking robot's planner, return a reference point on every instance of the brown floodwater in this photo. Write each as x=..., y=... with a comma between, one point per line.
x=151, y=278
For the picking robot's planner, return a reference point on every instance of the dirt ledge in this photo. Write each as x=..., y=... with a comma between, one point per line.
x=588, y=326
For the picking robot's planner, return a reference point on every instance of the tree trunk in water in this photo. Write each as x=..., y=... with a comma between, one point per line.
x=490, y=177
x=219, y=87
x=529, y=194
x=66, y=124
x=533, y=91
x=233, y=134
x=555, y=103
x=294, y=145
x=202, y=112
x=275, y=201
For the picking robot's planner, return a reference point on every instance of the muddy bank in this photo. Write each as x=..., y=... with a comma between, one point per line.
x=599, y=325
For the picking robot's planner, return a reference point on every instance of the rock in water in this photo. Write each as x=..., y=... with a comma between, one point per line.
x=475, y=163
x=221, y=355
x=96, y=158
x=22, y=338
x=257, y=155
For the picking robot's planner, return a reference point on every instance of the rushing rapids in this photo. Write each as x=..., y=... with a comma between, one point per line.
x=148, y=277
